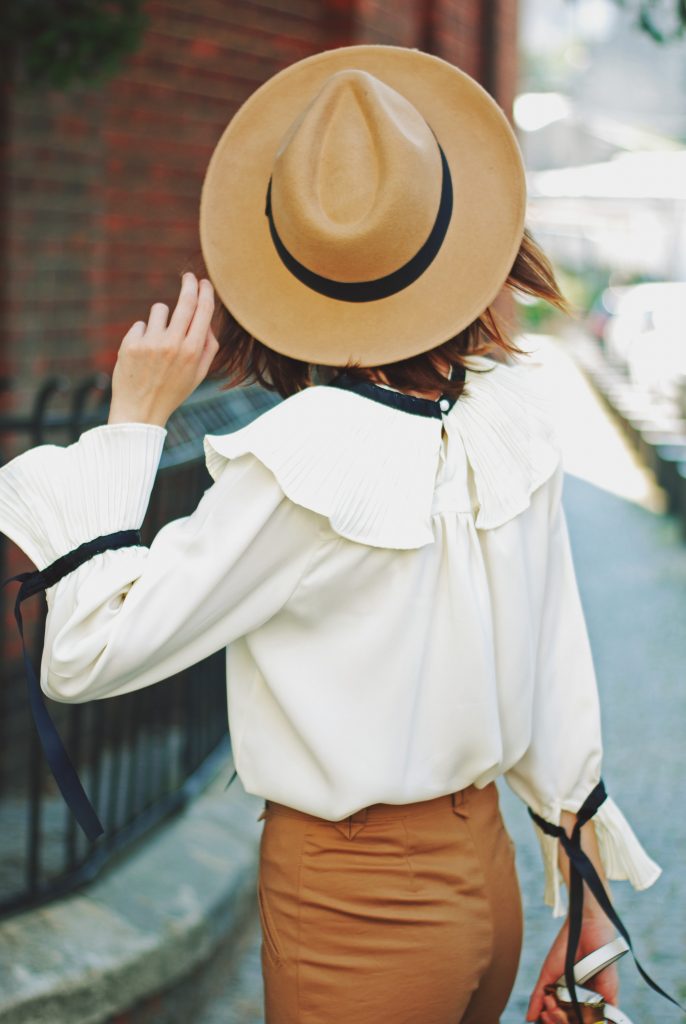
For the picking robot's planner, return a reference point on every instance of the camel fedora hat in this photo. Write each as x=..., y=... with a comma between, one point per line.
x=363, y=205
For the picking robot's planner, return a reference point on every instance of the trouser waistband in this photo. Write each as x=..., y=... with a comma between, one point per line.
x=458, y=801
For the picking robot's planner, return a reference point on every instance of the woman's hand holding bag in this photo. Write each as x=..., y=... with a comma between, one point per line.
x=596, y=930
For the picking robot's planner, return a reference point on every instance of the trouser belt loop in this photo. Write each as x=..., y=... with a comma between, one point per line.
x=459, y=802
x=350, y=826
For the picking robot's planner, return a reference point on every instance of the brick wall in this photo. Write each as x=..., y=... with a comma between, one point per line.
x=102, y=185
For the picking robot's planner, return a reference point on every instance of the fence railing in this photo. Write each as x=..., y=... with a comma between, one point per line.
x=141, y=756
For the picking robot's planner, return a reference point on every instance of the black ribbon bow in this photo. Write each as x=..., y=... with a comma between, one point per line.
x=580, y=868
x=60, y=764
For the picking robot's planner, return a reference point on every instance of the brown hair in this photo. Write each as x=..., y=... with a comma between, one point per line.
x=242, y=359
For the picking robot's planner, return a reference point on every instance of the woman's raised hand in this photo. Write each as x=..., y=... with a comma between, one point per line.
x=160, y=363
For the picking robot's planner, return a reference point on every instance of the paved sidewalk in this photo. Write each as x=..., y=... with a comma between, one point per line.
x=111, y=950
x=631, y=567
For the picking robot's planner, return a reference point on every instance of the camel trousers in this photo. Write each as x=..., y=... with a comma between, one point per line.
x=402, y=913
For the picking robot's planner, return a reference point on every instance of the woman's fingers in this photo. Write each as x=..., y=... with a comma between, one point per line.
x=552, y=1014
x=209, y=351
x=606, y=982
x=188, y=332
x=211, y=346
x=157, y=321
x=544, y=1007
x=135, y=331
x=197, y=332
x=185, y=307
x=191, y=318
x=534, y=1008
x=537, y=1002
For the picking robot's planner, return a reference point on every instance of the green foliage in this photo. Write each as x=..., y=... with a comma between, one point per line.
x=534, y=314
x=58, y=43
x=652, y=14
x=581, y=287
x=646, y=20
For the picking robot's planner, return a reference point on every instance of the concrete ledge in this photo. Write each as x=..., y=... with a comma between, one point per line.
x=150, y=918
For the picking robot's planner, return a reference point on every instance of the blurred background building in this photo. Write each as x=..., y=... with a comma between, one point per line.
x=601, y=119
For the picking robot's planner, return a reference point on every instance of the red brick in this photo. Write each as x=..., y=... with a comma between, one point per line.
x=102, y=184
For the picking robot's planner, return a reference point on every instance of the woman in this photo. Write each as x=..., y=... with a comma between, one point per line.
x=384, y=553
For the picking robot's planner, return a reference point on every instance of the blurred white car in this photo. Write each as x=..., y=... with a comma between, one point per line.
x=646, y=334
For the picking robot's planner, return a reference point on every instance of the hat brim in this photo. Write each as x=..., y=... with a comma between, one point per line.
x=471, y=267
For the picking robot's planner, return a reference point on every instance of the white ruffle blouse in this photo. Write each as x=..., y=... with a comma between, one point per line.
x=395, y=591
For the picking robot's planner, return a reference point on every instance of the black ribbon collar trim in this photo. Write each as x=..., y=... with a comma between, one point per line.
x=60, y=764
x=380, y=287
x=580, y=869
x=398, y=399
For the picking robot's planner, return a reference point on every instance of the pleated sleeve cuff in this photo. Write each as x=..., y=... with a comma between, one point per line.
x=54, y=498
x=621, y=853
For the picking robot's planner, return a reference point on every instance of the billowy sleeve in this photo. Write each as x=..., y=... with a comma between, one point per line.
x=562, y=764
x=130, y=617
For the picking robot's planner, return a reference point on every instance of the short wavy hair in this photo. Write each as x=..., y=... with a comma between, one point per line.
x=242, y=359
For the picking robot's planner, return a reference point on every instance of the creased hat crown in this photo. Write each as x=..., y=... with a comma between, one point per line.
x=356, y=182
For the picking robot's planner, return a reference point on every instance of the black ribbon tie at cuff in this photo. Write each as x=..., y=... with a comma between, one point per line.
x=60, y=764
x=580, y=868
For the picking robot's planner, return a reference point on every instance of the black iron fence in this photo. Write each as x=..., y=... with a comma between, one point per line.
x=143, y=755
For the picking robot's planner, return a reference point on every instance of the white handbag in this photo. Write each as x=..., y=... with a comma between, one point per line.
x=585, y=969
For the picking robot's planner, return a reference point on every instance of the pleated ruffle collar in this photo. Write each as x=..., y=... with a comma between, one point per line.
x=368, y=457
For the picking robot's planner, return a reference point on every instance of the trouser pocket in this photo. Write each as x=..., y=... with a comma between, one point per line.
x=269, y=934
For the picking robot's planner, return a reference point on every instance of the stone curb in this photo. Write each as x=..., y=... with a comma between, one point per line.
x=150, y=918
